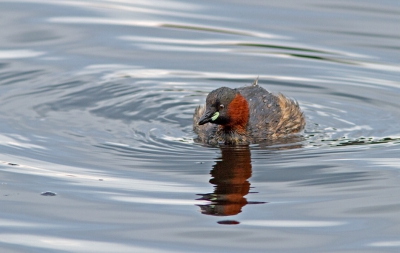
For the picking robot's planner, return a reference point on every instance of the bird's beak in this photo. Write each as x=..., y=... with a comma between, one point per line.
x=208, y=116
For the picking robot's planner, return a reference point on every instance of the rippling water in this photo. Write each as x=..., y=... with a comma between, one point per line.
x=97, y=152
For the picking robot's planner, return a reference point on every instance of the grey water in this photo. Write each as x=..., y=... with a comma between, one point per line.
x=97, y=152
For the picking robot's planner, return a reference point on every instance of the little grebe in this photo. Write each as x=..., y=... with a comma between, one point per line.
x=246, y=115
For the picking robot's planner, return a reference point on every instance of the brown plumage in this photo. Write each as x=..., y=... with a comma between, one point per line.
x=246, y=115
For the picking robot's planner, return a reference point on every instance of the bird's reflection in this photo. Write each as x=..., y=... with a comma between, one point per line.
x=230, y=179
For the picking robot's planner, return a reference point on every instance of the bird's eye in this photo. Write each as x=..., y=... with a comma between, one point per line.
x=221, y=106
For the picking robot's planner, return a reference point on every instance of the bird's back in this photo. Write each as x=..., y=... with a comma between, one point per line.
x=271, y=116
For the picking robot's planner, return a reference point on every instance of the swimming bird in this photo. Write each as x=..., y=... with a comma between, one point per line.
x=246, y=115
